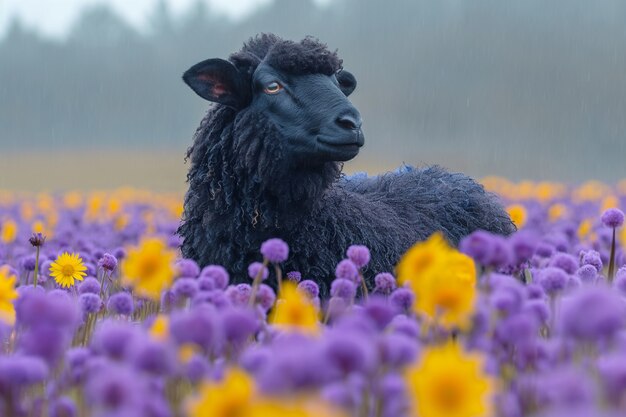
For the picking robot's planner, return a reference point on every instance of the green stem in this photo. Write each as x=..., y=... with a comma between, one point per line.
x=612, y=259
x=256, y=283
x=36, y=267
x=279, y=278
x=363, y=286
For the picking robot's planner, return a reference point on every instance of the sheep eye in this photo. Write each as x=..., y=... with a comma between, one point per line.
x=273, y=88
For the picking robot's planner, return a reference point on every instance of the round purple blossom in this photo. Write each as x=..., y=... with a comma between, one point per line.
x=196, y=326
x=121, y=303
x=90, y=303
x=238, y=324
x=593, y=258
x=566, y=262
x=206, y=283
x=275, y=250
x=239, y=294
x=294, y=276
x=402, y=299
x=603, y=314
x=89, y=285
x=257, y=267
x=108, y=262
x=185, y=287
x=359, y=255
x=613, y=218
x=18, y=371
x=343, y=288
x=385, y=282
x=63, y=407
x=587, y=273
x=310, y=288
x=218, y=274
x=346, y=269
x=265, y=297
x=28, y=263
x=187, y=268
x=553, y=279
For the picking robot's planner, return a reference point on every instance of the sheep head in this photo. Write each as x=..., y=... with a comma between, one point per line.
x=299, y=88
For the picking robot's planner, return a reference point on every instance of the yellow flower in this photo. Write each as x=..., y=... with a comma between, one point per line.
x=448, y=382
x=230, y=397
x=443, y=280
x=517, y=212
x=610, y=201
x=7, y=296
x=556, y=212
x=148, y=268
x=584, y=229
x=67, y=268
x=622, y=238
x=9, y=231
x=295, y=311
x=293, y=407
x=160, y=327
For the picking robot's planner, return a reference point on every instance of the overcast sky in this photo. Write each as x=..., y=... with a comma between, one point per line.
x=55, y=17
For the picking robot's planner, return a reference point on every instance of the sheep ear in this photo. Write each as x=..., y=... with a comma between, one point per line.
x=218, y=81
x=347, y=82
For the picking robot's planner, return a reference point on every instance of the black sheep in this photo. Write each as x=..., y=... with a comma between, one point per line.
x=266, y=162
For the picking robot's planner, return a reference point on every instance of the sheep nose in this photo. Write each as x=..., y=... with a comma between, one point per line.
x=349, y=121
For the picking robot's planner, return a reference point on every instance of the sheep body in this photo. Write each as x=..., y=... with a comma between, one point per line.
x=244, y=188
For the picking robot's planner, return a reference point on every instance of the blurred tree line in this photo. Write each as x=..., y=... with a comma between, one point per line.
x=533, y=88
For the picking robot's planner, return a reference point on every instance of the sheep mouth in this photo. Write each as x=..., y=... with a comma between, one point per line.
x=352, y=145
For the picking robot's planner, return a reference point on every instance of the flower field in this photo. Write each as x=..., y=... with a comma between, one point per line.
x=99, y=316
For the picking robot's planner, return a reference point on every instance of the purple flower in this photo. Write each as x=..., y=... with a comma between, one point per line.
x=238, y=324
x=28, y=263
x=121, y=303
x=310, y=288
x=593, y=258
x=37, y=239
x=553, y=279
x=523, y=245
x=17, y=371
x=113, y=338
x=402, y=324
x=187, y=268
x=153, y=357
x=197, y=368
x=591, y=314
x=256, y=268
x=566, y=262
x=359, y=255
x=587, y=273
x=343, y=288
x=265, y=297
x=294, y=276
x=612, y=371
x=619, y=281
x=477, y=245
x=379, y=311
x=196, y=326
x=349, y=353
x=385, y=283
x=239, y=294
x=90, y=303
x=119, y=253
x=538, y=308
x=402, y=299
x=185, y=287
x=217, y=298
x=108, y=262
x=89, y=285
x=206, y=283
x=275, y=250
x=397, y=350
x=218, y=273
x=346, y=269
x=613, y=218
x=116, y=388
x=63, y=407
